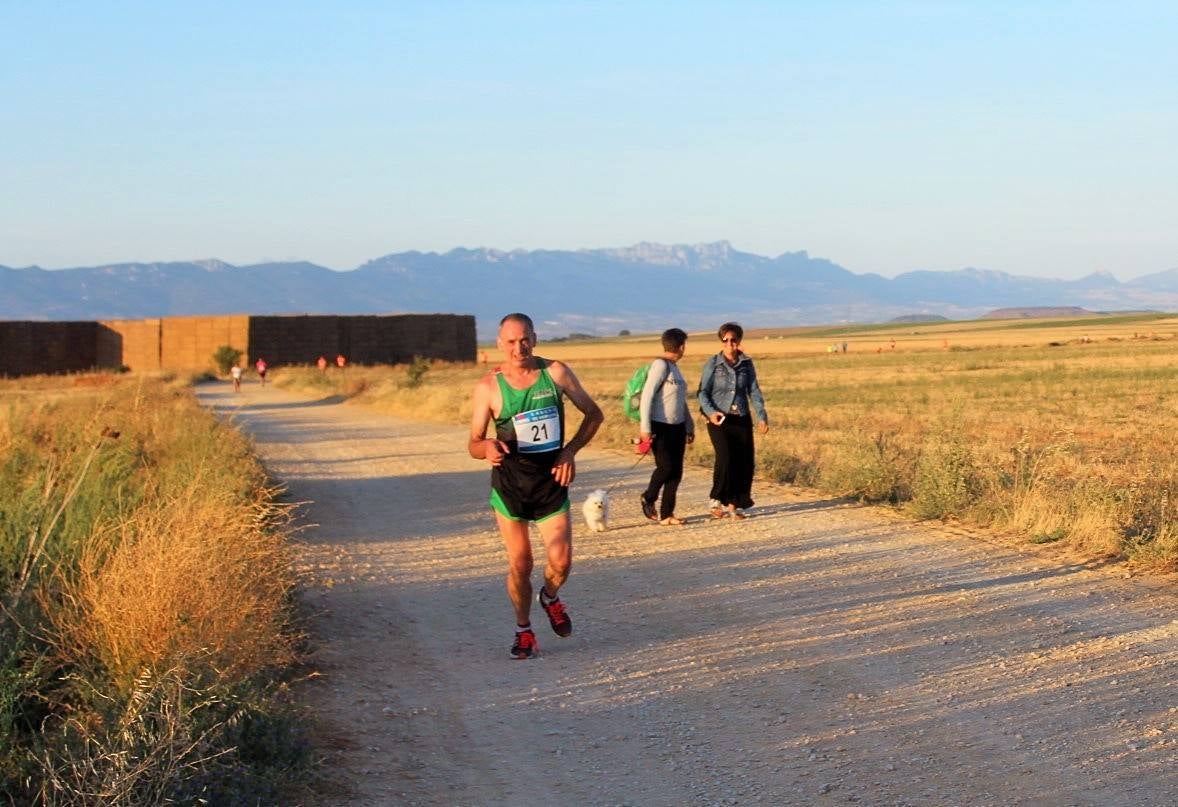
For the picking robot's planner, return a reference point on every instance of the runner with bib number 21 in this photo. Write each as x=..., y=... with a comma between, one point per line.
x=531, y=468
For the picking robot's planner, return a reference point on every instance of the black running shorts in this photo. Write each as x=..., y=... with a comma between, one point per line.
x=523, y=489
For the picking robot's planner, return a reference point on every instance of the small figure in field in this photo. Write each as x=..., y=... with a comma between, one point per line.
x=235, y=371
x=261, y=366
x=321, y=363
x=728, y=396
x=340, y=361
x=893, y=344
x=666, y=424
x=531, y=468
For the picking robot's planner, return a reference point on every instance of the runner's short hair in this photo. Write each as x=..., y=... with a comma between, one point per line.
x=673, y=339
x=522, y=319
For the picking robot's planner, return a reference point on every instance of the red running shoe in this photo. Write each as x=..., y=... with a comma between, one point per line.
x=557, y=617
x=525, y=645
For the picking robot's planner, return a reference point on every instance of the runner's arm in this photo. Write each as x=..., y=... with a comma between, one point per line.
x=480, y=446
x=565, y=469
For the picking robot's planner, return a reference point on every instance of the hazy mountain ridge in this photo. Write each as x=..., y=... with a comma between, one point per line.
x=646, y=286
x=1159, y=281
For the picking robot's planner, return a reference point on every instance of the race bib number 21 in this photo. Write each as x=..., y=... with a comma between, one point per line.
x=538, y=430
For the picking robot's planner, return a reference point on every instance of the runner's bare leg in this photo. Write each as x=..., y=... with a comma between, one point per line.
x=557, y=533
x=519, y=566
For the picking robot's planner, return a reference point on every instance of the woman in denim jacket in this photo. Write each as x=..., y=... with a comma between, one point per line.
x=728, y=395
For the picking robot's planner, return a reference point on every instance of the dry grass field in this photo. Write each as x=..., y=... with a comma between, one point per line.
x=144, y=609
x=1047, y=430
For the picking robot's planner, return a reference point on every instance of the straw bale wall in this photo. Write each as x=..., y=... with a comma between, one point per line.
x=138, y=344
x=394, y=339
x=32, y=348
x=188, y=343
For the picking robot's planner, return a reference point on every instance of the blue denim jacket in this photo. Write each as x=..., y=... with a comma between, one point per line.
x=730, y=389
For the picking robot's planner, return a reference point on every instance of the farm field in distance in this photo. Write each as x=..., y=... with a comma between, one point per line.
x=1053, y=430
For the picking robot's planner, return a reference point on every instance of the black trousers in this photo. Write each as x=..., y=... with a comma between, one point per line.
x=670, y=443
x=732, y=475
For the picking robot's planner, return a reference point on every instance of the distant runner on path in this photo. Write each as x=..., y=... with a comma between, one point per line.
x=261, y=366
x=531, y=468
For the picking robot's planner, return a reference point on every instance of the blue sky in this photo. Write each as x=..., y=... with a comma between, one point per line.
x=1032, y=138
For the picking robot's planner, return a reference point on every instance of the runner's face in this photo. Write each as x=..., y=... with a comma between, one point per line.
x=516, y=342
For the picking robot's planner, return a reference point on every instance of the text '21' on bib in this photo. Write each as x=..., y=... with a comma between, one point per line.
x=538, y=430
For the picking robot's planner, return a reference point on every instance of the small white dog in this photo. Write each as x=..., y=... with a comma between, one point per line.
x=596, y=510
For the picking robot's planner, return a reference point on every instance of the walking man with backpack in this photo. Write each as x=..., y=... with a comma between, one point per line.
x=666, y=424
x=532, y=467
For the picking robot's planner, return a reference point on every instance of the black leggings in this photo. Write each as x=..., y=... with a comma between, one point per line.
x=670, y=442
x=732, y=475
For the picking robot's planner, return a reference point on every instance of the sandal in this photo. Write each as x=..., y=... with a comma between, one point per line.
x=739, y=515
x=671, y=521
x=718, y=512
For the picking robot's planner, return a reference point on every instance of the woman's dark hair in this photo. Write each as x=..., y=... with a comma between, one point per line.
x=732, y=328
x=673, y=339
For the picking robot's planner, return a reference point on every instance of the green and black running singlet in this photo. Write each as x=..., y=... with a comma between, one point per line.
x=531, y=423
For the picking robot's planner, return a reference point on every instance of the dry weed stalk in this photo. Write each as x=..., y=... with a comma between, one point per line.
x=139, y=759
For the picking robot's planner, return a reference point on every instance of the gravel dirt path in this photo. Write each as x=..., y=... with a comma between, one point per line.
x=817, y=653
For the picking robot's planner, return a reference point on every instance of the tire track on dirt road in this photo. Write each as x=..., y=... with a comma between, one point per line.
x=818, y=653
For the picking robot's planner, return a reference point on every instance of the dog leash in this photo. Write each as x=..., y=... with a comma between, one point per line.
x=641, y=457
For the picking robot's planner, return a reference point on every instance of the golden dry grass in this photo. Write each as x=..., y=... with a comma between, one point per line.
x=195, y=583
x=145, y=594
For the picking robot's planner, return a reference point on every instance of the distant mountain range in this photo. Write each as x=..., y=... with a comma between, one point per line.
x=646, y=287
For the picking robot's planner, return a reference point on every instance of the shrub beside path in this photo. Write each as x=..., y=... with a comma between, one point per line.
x=818, y=653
